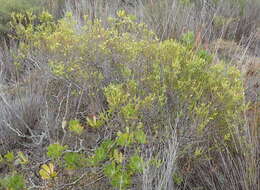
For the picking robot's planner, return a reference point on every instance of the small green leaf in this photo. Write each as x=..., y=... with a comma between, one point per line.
x=177, y=179
x=130, y=111
x=125, y=139
x=121, y=180
x=97, y=121
x=110, y=170
x=22, y=158
x=198, y=152
x=75, y=126
x=188, y=39
x=100, y=155
x=55, y=150
x=14, y=182
x=140, y=136
x=107, y=145
x=9, y=157
x=73, y=160
x=136, y=163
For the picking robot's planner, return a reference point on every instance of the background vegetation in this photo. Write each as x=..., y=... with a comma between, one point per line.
x=137, y=94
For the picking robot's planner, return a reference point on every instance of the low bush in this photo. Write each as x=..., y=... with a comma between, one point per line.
x=15, y=6
x=131, y=91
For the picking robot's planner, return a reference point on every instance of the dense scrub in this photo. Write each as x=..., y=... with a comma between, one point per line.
x=166, y=97
x=118, y=108
x=14, y=6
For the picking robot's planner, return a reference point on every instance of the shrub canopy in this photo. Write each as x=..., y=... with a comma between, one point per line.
x=148, y=85
x=15, y=6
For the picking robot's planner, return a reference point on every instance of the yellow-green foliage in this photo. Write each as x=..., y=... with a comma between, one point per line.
x=14, y=182
x=145, y=73
x=15, y=6
x=147, y=84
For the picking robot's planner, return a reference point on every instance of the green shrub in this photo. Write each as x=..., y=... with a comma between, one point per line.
x=55, y=151
x=15, y=6
x=13, y=182
x=150, y=87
